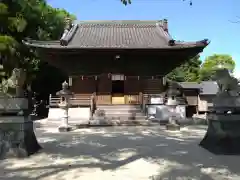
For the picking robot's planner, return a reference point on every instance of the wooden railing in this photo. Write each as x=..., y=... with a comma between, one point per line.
x=92, y=100
x=76, y=100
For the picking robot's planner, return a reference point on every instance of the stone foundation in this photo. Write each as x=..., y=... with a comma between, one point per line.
x=17, y=138
x=64, y=129
x=222, y=137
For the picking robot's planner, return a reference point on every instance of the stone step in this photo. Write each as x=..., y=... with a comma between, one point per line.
x=123, y=113
x=123, y=118
x=119, y=107
x=94, y=123
x=123, y=110
x=114, y=122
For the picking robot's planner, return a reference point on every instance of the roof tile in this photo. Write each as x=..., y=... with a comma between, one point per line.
x=120, y=35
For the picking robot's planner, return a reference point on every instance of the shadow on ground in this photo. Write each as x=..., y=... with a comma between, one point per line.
x=149, y=153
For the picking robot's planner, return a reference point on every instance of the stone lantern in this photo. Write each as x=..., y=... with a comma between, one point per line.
x=223, y=133
x=173, y=100
x=65, y=94
x=17, y=137
x=172, y=104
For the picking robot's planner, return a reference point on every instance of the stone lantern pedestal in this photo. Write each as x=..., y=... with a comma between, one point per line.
x=65, y=95
x=172, y=124
x=17, y=137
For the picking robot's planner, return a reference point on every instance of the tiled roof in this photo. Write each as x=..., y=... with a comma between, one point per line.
x=120, y=35
x=209, y=88
x=125, y=34
x=190, y=85
x=206, y=87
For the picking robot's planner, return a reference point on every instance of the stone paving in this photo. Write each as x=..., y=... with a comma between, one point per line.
x=122, y=153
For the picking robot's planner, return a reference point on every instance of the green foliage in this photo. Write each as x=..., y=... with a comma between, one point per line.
x=126, y=2
x=193, y=71
x=7, y=44
x=22, y=19
x=189, y=71
x=212, y=62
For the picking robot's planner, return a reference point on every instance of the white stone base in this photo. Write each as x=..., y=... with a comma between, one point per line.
x=80, y=114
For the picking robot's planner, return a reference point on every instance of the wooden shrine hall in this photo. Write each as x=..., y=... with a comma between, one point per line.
x=117, y=88
x=117, y=61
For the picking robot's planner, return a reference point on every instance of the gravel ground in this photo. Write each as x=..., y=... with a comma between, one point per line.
x=122, y=153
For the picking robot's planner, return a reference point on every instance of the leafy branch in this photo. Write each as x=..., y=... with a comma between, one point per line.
x=127, y=2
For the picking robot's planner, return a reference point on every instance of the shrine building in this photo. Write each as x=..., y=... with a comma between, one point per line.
x=119, y=62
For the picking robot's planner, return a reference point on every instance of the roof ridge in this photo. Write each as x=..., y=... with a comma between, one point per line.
x=68, y=35
x=119, y=22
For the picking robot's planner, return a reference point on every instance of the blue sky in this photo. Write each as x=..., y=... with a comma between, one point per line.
x=205, y=19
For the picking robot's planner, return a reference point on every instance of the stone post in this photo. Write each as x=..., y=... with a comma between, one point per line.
x=17, y=137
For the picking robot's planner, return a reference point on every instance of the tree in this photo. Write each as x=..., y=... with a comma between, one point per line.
x=189, y=71
x=10, y=23
x=212, y=62
x=27, y=19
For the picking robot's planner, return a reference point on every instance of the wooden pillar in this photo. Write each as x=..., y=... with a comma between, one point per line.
x=140, y=92
x=197, y=103
x=197, y=110
x=70, y=80
x=164, y=81
x=96, y=90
